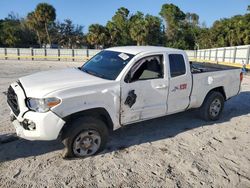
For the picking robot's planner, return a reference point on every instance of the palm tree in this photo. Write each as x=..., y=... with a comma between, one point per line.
x=138, y=28
x=34, y=25
x=119, y=29
x=45, y=14
x=97, y=35
x=114, y=33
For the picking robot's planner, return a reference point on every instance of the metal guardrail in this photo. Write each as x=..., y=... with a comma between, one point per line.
x=234, y=55
x=19, y=57
x=47, y=54
x=238, y=56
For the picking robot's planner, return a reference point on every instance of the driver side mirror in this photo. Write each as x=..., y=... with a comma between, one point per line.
x=128, y=78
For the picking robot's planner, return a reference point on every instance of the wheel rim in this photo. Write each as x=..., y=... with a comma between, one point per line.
x=86, y=143
x=215, y=108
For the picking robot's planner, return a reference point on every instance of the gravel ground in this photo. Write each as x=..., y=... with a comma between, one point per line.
x=174, y=151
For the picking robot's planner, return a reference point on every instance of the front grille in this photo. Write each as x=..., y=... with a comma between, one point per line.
x=12, y=100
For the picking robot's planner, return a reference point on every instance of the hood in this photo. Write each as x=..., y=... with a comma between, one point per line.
x=40, y=84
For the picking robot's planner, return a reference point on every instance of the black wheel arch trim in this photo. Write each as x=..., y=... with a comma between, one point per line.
x=101, y=113
x=219, y=89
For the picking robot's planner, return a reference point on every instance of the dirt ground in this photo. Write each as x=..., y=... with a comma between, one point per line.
x=174, y=151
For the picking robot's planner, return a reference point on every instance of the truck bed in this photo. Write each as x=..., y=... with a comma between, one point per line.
x=201, y=67
x=207, y=76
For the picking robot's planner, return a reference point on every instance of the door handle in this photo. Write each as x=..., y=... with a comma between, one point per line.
x=163, y=86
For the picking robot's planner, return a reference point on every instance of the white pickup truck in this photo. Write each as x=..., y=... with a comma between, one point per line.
x=118, y=86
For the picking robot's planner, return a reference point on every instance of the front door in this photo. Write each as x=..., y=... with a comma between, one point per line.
x=144, y=90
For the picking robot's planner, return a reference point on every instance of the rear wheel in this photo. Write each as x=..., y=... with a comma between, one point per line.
x=212, y=106
x=86, y=136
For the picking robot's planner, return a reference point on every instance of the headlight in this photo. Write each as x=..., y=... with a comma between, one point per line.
x=42, y=105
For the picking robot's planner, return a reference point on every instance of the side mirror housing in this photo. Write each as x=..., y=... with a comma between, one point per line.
x=127, y=78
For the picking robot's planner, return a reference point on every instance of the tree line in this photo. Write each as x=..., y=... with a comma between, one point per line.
x=172, y=28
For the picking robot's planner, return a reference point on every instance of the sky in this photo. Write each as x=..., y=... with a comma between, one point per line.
x=86, y=12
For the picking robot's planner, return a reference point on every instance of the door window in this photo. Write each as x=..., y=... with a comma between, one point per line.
x=147, y=68
x=177, y=65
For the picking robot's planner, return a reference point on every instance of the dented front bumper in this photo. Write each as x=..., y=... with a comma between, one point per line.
x=38, y=126
x=31, y=125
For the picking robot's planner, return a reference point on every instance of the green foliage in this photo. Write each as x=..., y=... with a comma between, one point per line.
x=125, y=29
x=11, y=33
x=155, y=30
x=45, y=15
x=227, y=32
x=67, y=35
x=192, y=18
x=14, y=33
x=145, y=30
x=34, y=25
x=118, y=28
x=97, y=35
x=40, y=22
x=183, y=30
x=173, y=18
x=139, y=28
x=180, y=30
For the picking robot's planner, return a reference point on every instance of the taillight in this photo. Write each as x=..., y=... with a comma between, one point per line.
x=241, y=76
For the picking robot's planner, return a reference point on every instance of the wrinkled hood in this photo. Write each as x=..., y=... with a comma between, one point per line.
x=42, y=83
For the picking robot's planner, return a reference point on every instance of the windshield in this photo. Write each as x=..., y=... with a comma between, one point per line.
x=107, y=64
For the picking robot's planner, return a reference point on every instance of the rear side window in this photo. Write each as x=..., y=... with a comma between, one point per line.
x=177, y=65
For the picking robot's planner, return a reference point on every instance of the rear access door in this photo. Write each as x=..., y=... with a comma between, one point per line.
x=180, y=82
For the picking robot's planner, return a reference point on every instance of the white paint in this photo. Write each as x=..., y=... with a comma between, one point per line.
x=210, y=80
x=179, y=100
x=48, y=126
x=80, y=91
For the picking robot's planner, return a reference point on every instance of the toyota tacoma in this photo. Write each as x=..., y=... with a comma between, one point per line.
x=118, y=86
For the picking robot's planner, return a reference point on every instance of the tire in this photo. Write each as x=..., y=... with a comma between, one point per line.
x=212, y=106
x=85, y=136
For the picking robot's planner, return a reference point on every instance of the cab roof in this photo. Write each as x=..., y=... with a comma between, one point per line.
x=134, y=50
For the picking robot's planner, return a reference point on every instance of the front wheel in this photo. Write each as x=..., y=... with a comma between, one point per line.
x=212, y=106
x=84, y=137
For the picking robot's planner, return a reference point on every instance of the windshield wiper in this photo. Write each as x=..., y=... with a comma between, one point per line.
x=94, y=73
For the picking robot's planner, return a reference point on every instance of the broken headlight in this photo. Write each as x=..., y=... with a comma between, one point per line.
x=42, y=105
